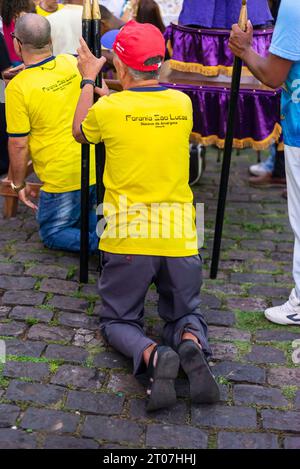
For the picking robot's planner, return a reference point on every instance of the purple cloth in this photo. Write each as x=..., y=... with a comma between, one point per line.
x=223, y=13
x=257, y=114
x=209, y=47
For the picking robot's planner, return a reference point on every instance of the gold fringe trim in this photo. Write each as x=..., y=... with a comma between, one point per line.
x=170, y=48
x=241, y=143
x=208, y=71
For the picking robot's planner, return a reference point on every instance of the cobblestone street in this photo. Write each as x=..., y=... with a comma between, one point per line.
x=62, y=387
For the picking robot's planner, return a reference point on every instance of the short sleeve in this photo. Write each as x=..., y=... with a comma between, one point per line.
x=90, y=126
x=17, y=118
x=286, y=37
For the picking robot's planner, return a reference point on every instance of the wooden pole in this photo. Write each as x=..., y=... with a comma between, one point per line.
x=235, y=87
x=85, y=168
x=100, y=148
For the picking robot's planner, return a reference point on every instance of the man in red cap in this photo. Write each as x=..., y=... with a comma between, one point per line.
x=150, y=235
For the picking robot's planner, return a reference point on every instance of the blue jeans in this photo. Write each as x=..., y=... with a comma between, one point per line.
x=59, y=219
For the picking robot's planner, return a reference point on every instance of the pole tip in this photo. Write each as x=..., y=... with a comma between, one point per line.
x=244, y=2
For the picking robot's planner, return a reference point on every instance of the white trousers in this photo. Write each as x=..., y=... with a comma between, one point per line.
x=292, y=166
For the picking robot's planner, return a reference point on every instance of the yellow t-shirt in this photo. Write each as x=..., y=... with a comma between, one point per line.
x=146, y=134
x=42, y=12
x=41, y=102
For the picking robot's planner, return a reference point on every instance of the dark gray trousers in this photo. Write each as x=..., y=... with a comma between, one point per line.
x=123, y=286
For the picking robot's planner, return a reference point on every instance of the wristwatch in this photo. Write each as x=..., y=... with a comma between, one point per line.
x=17, y=189
x=87, y=82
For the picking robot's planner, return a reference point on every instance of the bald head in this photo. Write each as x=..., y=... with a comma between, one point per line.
x=33, y=31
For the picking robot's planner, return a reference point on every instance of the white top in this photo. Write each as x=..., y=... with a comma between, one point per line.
x=170, y=10
x=66, y=29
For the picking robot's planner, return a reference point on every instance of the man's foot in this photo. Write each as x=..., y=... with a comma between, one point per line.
x=162, y=370
x=203, y=386
x=267, y=181
x=286, y=314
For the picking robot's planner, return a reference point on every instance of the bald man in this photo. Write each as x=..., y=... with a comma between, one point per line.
x=40, y=105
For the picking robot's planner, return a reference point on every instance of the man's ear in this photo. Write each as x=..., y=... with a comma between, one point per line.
x=18, y=48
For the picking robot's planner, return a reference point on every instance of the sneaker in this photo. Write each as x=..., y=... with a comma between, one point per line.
x=258, y=169
x=287, y=314
x=264, y=167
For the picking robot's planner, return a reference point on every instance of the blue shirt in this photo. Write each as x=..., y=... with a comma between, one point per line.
x=286, y=44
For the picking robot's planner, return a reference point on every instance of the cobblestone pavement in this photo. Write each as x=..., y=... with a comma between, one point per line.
x=62, y=387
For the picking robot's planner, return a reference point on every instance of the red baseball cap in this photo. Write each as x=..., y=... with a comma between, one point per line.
x=138, y=42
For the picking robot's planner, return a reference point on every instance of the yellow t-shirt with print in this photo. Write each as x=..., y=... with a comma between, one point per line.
x=41, y=102
x=42, y=12
x=148, y=204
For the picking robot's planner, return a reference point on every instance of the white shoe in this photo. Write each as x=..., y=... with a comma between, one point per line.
x=286, y=314
x=258, y=169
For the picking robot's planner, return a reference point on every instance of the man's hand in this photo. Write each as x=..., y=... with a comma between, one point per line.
x=23, y=196
x=88, y=65
x=104, y=91
x=12, y=72
x=240, y=42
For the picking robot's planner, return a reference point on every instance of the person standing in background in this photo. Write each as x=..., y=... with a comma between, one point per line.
x=282, y=68
x=10, y=12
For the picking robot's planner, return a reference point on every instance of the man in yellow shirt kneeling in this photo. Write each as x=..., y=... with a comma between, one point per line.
x=150, y=235
x=40, y=105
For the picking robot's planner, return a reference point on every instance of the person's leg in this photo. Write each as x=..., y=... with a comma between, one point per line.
x=289, y=313
x=279, y=165
x=59, y=219
x=179, y=282
x=123, y=285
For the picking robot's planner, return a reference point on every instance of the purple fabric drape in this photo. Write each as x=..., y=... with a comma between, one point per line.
x=223, y=13
x=209, y=47
x=258, y=115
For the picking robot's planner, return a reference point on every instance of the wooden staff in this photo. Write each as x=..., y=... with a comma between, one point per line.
x=85, y=167
x=97, y=51
x=235, y=87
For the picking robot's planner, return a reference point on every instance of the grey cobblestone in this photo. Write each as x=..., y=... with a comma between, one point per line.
x=16, y=439
x=233, y=440
x=25, y=312
x=171, y=436
x=34, y=392
x=52, y=421
x=65, y=353
x=79, y=377
x=34, y=371
x=95, y=403
x=112, y=429
x=24, y=298
x=221, y=416
x=281, y=420
x=259, y=395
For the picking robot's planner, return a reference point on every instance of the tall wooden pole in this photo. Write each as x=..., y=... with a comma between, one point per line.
x=97, y=51
x=85, y=167
x=235, y=87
